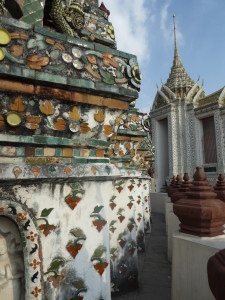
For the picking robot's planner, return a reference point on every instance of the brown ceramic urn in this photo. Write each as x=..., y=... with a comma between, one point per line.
x=200, y=214
x=220, y=188
x=175, y=184
x=216, y=275
x=185, y=187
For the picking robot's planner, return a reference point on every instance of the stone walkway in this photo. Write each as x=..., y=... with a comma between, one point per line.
x=154, y=268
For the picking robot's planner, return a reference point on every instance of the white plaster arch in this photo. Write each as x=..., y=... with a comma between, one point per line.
x=31, y=246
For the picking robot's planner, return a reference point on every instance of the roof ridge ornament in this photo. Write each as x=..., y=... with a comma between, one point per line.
x=222, y=97
x=198, y=96
x=164, y=97
x=192, y=91
x=168, y=90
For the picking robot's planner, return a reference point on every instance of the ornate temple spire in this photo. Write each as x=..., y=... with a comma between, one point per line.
x=179, y=85
x=177, y=60
x=179, y=81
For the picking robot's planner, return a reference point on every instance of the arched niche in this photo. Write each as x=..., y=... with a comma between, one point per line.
x=19, y=231
x=12, y=271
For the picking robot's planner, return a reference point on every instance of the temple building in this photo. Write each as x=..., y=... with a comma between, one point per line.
x=187, y=126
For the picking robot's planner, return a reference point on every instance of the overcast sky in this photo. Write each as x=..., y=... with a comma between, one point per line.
x=145, y=28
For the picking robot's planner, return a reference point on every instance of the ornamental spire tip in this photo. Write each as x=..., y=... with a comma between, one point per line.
x=176, y=53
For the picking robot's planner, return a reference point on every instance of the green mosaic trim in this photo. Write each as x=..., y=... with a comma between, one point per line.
x=121, y=159
x=47, y=140
x=132, y=168
x=11, y=151
x=114, y=51
x=98, y=160
x=15, y=23
x=132, y=133
x=33, y=12
x=52, y=160
x=133, y=111
x=79, y=42
x=50, y=33
x=11, y=70
x=99, y=39
x=143, y=149
x=40, y=152
x=98, y=143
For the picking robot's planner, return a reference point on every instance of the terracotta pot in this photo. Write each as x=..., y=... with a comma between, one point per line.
x=200, y=214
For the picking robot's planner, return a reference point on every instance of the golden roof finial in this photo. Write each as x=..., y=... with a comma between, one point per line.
x=175, y=34
x=176, y=53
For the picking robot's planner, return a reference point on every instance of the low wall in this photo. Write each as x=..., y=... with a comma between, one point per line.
x=189, y=266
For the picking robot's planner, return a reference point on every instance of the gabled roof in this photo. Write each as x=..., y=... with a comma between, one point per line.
x=214, y=97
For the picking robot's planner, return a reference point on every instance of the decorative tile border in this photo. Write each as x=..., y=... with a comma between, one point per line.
x=102, y=69
x=12, y=151
x=48, y=171
x=62, y=94
x=31, y=245
x=51, y=140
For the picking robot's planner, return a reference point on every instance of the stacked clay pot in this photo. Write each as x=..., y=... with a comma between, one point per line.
x=185, y=187
x=201, y=213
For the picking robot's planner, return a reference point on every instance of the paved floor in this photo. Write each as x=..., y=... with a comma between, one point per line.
x=154, y=268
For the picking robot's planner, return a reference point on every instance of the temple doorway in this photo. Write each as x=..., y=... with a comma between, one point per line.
x=162, y=153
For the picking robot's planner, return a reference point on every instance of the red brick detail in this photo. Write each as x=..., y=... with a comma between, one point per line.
x=29, y=151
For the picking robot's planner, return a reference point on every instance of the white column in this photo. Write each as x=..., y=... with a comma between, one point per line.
x=219, y=141
x=172, y=141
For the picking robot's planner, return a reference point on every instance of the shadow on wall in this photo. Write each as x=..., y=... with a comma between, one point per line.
x=14, y=7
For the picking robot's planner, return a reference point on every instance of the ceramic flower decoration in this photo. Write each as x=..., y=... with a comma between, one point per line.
x=134, y=73
x=5, y=39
